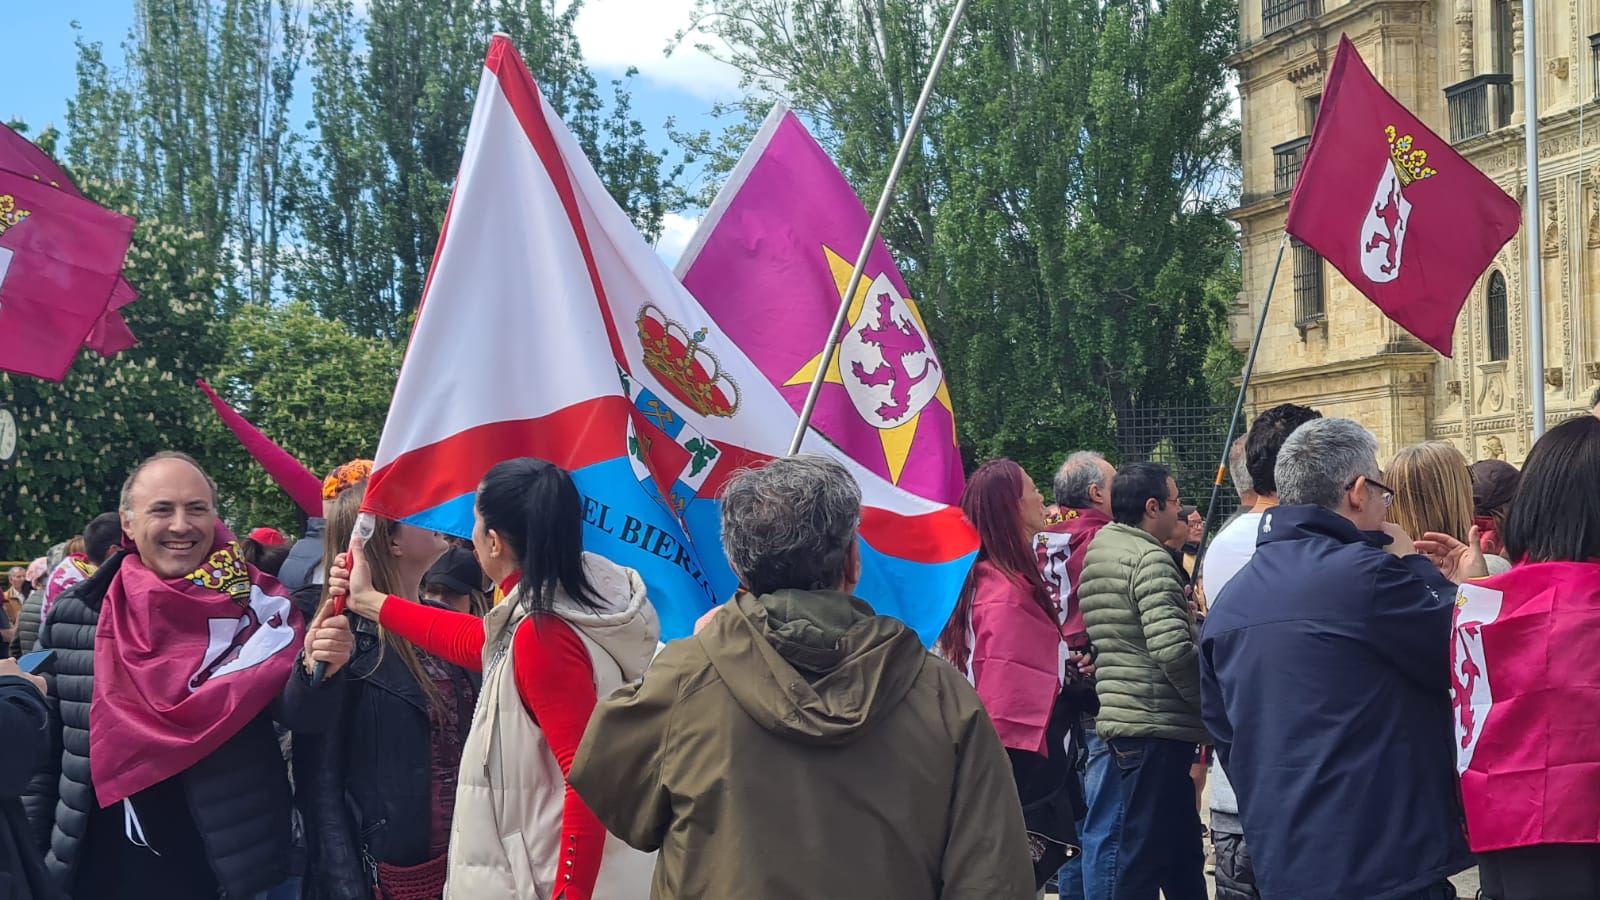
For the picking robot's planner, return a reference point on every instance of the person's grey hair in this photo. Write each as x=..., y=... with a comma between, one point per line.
x=1076, y=476
x=1318, y=462
x=126, y=503
x=1236, y=468
x=790, y=524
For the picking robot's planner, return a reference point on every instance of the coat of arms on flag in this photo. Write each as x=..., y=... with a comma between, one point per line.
x=1403, y=217
x=771, y=264
x=1470, y=690
x=625, y=381
x=1383, y=235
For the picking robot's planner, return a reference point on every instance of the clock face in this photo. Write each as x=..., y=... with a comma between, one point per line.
x=8, y=435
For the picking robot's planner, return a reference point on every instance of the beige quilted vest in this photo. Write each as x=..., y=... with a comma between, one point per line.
x=505, y=842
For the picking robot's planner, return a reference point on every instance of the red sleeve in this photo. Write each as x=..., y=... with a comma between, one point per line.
x=555, y=679
x=457, y=637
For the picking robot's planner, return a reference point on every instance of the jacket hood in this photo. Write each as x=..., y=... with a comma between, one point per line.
x=1290, y=523
x=626, y=625
x=813, y=667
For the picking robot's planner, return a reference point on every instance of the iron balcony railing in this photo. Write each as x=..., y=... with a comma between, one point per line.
x=1478, y=106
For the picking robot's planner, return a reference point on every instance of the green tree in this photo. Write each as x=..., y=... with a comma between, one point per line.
x=1061, y=217
x=317, y=389
x=79, y=439
x=196, y=124
x=393, y=96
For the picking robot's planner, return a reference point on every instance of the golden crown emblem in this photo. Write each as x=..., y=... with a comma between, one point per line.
x=686, y=368
x=1409, y=164
x=9, y=214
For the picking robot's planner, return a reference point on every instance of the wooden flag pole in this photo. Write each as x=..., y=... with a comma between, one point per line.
x=1530, y=216
x=1238, y=406
x=839, y=320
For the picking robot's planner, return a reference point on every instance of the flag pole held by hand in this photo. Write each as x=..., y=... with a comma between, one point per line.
x=363, y=529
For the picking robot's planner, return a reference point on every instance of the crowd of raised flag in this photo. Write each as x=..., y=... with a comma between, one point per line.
x=674, y=661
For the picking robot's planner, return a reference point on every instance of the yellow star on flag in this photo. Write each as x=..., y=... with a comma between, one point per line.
x=896, y=439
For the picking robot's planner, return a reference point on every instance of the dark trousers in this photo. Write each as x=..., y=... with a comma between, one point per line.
x=1444, y=890
x=1159, y=848
x=1541, y=872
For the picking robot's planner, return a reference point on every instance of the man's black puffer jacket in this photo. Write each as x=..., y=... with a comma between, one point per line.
x=239, y=795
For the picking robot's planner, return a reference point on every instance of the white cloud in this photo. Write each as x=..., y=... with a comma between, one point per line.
x=616, y=34
x=676, y=230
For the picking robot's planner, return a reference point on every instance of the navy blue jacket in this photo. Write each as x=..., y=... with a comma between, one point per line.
x=1325, y=679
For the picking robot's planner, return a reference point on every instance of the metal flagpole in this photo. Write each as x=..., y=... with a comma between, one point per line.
x=910, y=137
x=1238, y=405
x=1533, y=273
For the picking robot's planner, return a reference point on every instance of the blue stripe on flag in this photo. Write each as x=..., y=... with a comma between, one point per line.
x=922, y=595
x=625, y=522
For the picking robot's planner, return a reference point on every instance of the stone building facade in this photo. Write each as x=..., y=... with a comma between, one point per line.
x=1458, y=65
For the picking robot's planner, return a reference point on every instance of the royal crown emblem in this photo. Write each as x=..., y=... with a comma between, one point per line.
x=1410, y=164
x=10, y=215
x=688, y=371
x=1388, y=218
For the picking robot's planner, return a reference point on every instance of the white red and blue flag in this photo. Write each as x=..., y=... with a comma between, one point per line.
x=550, y=328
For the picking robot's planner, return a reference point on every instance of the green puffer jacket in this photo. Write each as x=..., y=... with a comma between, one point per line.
x=1148, y=669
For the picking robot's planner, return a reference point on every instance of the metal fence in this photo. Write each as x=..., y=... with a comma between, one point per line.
x=1187, y=439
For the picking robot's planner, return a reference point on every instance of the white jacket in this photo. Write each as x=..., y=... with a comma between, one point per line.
x=505, y=843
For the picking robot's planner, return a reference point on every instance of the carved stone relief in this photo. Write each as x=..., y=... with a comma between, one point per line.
x=1552, y=228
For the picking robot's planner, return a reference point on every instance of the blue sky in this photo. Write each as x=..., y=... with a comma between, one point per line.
x=615, y=34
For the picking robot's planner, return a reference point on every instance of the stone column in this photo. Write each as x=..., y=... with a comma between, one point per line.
x=1518, y=101
x=1464, y=61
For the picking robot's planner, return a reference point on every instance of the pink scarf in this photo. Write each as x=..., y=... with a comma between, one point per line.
x=181, y=665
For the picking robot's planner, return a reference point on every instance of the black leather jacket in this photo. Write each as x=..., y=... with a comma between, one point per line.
x=364, y=788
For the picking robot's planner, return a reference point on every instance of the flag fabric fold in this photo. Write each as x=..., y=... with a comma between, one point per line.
x=588, y=352
x=1402, y=216
x=1526, y=692
x=303, y=487
x=182, y=664
x=111, y=334
x=770, y=263
x=60, y=263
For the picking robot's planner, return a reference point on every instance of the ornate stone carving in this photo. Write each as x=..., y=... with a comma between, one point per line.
x=1493, y=399
x=1594, y=207
x=1591, y=371
x=1552, y=228
x=1518, y=113
x=1493, y=448
x=1464, y=38
x=1555, y=377
x=1558, y=66
x=1453, y=388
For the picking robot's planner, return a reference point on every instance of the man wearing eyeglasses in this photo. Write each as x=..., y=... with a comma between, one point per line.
x=1325, y=682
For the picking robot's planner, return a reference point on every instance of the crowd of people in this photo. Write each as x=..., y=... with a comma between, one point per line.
x=410, y=717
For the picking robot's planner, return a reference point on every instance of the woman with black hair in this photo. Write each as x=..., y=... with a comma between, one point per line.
x=573, y=628
x=1524, y=673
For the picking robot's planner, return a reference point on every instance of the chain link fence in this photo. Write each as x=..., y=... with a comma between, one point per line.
x=1186, y=438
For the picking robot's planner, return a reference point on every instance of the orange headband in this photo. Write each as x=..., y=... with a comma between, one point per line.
x=346, y=476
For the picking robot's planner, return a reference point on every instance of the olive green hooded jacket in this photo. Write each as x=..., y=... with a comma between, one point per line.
x=800, y=746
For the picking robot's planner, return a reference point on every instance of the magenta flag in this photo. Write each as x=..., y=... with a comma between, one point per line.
x=771, y=262
x=304, y=488
x=1526, y=687
x=60, y=263
x=1403, y=217
x=110, y=335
